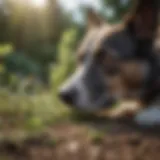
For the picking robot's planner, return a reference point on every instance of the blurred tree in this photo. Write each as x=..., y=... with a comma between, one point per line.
x=3, y=23
x=58, y=20
x=27, y=24
x=34, y=31
x=114, y=10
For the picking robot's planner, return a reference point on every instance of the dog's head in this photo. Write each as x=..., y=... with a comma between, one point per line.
x=106, y=70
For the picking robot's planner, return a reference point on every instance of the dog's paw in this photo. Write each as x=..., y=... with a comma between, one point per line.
x=126, y=109
x=149, y=116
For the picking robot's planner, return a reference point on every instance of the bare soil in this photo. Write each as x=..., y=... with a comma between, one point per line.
x=78, y=141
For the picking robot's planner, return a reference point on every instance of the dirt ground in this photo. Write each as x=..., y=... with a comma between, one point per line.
x=87, y=141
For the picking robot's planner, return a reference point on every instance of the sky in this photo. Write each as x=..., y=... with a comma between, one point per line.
x=72, y=5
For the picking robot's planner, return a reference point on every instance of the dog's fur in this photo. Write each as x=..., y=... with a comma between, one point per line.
x=115, y=62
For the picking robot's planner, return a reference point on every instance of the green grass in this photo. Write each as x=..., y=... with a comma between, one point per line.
x=30, y=118
x=31, y=112
x=96, y=136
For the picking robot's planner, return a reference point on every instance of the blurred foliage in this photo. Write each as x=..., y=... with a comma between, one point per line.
x=20, y=63
x=30, y=112
x=114, y=10
x=27, y=24
x=6, y=49
x=66, y=57
x=34, y=32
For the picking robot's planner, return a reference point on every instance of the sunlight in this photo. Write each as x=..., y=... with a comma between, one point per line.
x=38, y=3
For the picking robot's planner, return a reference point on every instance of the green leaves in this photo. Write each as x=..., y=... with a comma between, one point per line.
x=66, y=56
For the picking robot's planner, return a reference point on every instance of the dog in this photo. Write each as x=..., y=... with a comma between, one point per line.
x=114, y=63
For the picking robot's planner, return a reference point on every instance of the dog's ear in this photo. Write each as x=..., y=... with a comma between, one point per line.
x=93, y=19
x=143, y=20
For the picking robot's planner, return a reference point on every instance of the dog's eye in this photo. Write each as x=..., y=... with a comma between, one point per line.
x=82, y=58
x=112, y=71
x=100, y=55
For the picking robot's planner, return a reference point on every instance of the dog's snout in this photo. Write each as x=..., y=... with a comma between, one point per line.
x=68, y=96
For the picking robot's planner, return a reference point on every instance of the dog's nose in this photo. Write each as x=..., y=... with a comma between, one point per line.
x=67, y=96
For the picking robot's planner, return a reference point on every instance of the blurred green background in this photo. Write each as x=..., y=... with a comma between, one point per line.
x=38, y=41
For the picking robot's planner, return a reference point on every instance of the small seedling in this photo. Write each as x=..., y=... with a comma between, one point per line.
x=97, y=137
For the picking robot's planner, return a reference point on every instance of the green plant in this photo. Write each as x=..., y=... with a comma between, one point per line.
x=66, y=56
